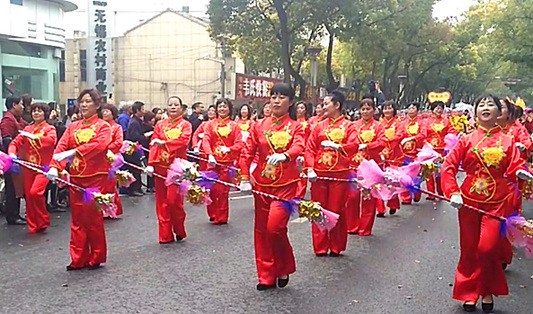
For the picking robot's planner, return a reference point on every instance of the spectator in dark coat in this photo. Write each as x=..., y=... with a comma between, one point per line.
x=135, y=134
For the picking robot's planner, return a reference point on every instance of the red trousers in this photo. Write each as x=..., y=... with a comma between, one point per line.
x=360, y=213
x=479, y=272
x=169, y=209
x=36, y=213
x=273, y=252
x=393, y=203
x=406, y=197
x=110, y=186
x=430, y=182
x=302, y=188
x=87, y=235
x=219, y=208
x=332, y=196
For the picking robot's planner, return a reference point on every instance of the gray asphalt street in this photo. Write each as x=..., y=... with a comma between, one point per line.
x=407, y=266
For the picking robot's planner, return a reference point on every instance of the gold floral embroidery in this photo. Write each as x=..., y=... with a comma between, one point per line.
x=390, y=133
x=269, y=172
x=408, y=146
x=358, y=158
x=173, y=134
x=438, y=127
x=368, y=136
x=413, y=129
x=75, y=163
x=84, y=135
x=385, y=152
x=326, y=159
x=480, y=186
x=493, y=156
x=336, y=135
x=34, y=159
x=165, y=157
x=304, y=124
x=244, y=127
x=280, y=139
x=224, y=131
x=434, y=142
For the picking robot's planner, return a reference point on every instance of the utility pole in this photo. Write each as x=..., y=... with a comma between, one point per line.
x=223, y=70
x=313, y=53
x=150, y=77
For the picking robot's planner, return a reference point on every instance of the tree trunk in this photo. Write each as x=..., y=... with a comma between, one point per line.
x=285, y=40
x=332, y=84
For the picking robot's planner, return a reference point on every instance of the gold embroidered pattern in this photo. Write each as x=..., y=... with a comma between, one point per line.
x=269, y=172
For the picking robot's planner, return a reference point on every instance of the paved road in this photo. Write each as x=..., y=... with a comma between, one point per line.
x=407, y=266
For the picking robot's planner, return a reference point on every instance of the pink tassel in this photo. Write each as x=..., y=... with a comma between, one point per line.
x=426, y=154
x=519, y=232
x=5, y=162
x=330, y=220
x=451, y=140
x=207, y=200
x=370, y=174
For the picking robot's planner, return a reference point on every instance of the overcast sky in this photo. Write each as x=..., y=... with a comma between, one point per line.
x=132, y=12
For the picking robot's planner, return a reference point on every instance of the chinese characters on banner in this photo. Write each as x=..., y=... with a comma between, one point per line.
x=100, y=50
x=251, y=87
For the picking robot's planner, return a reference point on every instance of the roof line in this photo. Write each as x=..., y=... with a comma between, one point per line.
x=185, y=15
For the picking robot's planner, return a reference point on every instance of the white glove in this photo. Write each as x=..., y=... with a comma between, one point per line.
x=330, y=144
x=225, y=149
x=29, y=135
x=524, y=175
x=300, y=160
x=276, y=158
x=149, y=170
x=456, y=201
x=311, y=175
x=521, y=146
x=157, y=141
x=52, y=174
x=362, y=146
x=245, y=135
x=196, y=150
x=64, y=155
x=245, y=186
x=212, y=161
x=407, y=139
x=13, y=156
x=148, y=134
x=201, y=135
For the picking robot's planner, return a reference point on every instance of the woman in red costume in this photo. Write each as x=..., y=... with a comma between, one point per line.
x=277, y=141
x=109, y=115
x=392, y=153
x=327, y=153
x=85, y=143
x=223, y=144
x=170, y=141
x=244, y=121
x=302, y=116
x=437, y=127
x=361, y=206
x=37, y=142
x=413, y=132
x=492, y=164
x=198, y=137
x=318, y=117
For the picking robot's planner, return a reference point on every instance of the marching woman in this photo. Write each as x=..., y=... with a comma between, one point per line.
x=437, y=127
x=302, y=115
x=361, y=206
x=319, y=115
x=492, y=163
x=413, y=134
x=109, y=115
x=199, y=134
x=391, y=153
x=245, y=122
x=85, y=142
x=170, y=141
x=327, y=155
x=223, y=144
x=36, y=142
x=277, y=141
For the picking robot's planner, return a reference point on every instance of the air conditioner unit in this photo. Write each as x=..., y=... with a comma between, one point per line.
x=57, y=53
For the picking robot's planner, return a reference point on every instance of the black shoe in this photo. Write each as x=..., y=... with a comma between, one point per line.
x=282, y=283
x=22, y=218
x=392, y=211
x=321, y=254
x=70, y=268
x=18, y=222
x=469, y=307
x=221, y=223
x=406, y=203
x=178, y=238
x=487, y=307
x=333, y=254
x=504, y=266
x=57, y=210
x=262, y=287
x=212, y=219
x=136, y=194
x=380, y=215
x=94, y=267
x=416, y=201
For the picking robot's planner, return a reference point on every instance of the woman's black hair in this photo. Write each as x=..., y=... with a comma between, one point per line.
x=96, y=98
x=176, y=97
x=249, y=111
x=307, y=108
x=262, y=112
x=227, y=102
x=156, y=109
x=26, y=101
x=148, y=116
x=337, y=97
x=416, y=104
x=283, y=89
x=42, y=106
x=436, y=104
x=497, y=102
x=367, y=101
x=113, y=109
x=392, y=104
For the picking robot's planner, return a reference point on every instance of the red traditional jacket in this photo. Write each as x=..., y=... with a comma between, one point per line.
x=392, y=136
x=90, y=138
x=306, y=126
x=198, y=136
x=371, y=134
x=490, y=160
x=325, y=159
x=245, y=125
x=268, y=136
x=437, y=129
x=117, y=137
x=315, y=120
x=176, y=133
x=223, y=132
x=519, y=133
x=413, y=128
x=37, y=151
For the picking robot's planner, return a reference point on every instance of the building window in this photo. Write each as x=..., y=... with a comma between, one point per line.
x=62, y=67
x=83, y=65
x=17, y=2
